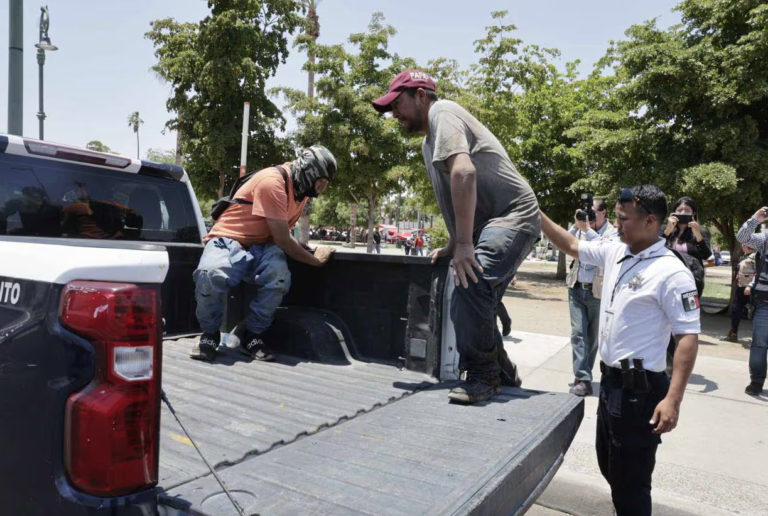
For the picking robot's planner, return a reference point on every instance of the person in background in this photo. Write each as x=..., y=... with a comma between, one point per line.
x=377, y=241
x=744, y=280
x=584, y=299
x=504, y=318
x=683, y=232
x=407, y=246
x=758, y=352
x=419, y=245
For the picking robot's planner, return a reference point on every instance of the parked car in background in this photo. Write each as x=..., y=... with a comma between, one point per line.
x=725, y=258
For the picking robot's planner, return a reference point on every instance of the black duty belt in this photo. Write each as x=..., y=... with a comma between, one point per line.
x=632, y=379
x=585, y=286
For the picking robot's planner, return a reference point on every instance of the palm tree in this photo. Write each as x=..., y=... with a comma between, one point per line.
x=135, y=121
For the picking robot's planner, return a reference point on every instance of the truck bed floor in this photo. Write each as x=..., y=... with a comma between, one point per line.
x=235, y=408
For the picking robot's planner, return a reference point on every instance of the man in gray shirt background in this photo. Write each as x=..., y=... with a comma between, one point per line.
x=492, y=217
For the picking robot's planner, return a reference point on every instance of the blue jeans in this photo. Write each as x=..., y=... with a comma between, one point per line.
x=585, y=321
x=224, y=264
x=499, y=251
x=758, y=353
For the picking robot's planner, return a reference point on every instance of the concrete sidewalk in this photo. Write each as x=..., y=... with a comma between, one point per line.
x=714, y=463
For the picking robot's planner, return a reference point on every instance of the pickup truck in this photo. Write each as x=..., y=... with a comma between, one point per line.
x=96, y=322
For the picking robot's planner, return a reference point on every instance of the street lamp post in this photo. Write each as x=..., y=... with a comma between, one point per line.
x=42, y=46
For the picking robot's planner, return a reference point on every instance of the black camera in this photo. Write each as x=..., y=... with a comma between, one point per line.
x=585, y=208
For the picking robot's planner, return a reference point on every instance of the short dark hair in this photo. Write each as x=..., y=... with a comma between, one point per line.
x=688, y=202
x=601, y=204
x=651, y=199
x=431, y=95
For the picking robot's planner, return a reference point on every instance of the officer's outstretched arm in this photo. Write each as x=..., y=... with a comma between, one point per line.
x=559, y=237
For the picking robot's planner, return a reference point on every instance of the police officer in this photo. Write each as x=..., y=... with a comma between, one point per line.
x=647, y=293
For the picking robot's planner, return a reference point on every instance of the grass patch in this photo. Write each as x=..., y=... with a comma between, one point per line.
x=716, y=292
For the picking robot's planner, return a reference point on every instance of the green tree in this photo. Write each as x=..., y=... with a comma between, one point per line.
x=686, y=108
x=166, y=156
x=135, y=121
x=97, y=146
x=214, y=67
x=368, y=147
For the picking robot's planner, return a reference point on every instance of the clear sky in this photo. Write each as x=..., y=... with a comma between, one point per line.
x=101, y=72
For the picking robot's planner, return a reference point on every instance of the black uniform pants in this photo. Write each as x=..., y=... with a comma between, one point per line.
x=626, y=446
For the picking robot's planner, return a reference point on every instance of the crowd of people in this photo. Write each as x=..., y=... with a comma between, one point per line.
x=632, y=283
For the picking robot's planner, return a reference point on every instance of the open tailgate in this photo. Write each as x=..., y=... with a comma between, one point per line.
x=418, y=455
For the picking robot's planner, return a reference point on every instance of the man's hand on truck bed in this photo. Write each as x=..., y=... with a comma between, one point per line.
x=323, y=254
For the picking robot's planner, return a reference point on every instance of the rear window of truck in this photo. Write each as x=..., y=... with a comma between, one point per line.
x=42, y=198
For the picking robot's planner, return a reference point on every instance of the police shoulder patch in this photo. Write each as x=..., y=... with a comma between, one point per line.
x=691, y=301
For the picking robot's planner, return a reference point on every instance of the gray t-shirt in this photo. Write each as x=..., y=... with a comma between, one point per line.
x=504, y=197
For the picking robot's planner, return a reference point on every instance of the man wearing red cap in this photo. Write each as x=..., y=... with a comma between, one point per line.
x=492, y=217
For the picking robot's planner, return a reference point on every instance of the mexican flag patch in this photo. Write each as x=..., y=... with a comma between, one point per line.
x=691, y=301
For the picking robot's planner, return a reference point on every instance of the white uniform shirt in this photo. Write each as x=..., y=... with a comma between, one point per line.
x=645, y=297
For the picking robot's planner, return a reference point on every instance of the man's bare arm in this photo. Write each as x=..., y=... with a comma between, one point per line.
x=464, y=194
x=559, y=237
x=281, y=233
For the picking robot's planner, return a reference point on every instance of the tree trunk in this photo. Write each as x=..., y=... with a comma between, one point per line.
x=178, y=147
x=725, y=226
x=304, y=223
x=560, y=275
x=314, y=33
x=222, y=183
x=138, y=150
x=371, y=221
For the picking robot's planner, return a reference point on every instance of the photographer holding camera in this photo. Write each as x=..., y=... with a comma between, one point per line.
x=684, y=234
x=584, y=286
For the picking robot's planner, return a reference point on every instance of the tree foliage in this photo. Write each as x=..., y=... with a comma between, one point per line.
x=97, y=146
x=166, y=156
x=370, y=149
x=688, y=111
x=214, y=67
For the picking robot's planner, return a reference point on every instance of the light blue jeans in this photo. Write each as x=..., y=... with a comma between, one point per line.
x=585, y=320
x=224, y=264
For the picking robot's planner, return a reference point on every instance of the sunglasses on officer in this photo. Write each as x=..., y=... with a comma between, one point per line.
x=626, y=195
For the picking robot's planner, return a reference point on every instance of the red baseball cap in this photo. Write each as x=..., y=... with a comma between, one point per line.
x=403, y=81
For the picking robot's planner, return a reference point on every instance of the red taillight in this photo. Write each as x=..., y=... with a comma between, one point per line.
x=112, y=425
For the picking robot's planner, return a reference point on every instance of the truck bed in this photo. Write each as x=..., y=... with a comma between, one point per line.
x=298, y=437
x=236, y=409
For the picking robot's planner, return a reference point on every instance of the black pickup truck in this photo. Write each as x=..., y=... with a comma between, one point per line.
x=97, y=319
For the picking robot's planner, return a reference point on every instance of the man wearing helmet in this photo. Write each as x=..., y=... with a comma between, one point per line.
x=250, y=241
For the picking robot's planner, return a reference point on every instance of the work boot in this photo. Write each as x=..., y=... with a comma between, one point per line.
x=473, y=391
x=205, y=349
x=581, y=388
x=732, y=337
x=254, y=347
x=754, y=389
